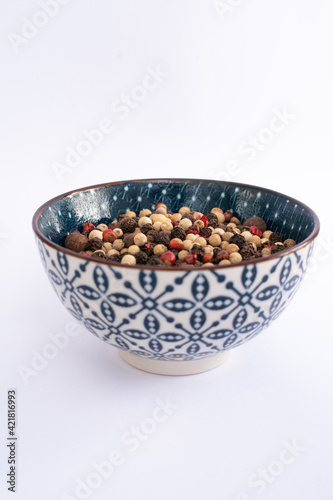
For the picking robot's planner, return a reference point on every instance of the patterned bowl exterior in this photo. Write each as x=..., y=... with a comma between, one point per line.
x=173, y=314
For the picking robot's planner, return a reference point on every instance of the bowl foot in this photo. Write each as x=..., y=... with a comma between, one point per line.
x=161, y=367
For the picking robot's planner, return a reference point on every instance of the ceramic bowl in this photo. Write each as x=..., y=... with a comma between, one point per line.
x=174, y=320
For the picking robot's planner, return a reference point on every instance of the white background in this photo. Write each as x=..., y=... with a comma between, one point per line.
x=226, y=74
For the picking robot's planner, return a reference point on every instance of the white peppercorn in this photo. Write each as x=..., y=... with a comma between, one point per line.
x=166, y=226
x=199, y=240
x=96, y=233
x=144, y=220
x=188, y=244
x=159, y=249
x=219, y=231
x=247, y=235
x=183, y=254
x=266, y=251
x=256, y=240
x=158, y=218
x=157, y=226
x=227, y=235
x=185, y=224
x=128, y=259
x=140, y=239
x=235, y=257
x=118, y=244
x=191, y=237
x=112, y=252
x=144, y=213
x=232, y=248
x=133, y=249
x=106, y=247
x=215, y=240
x=118, y=232
x=161, y=210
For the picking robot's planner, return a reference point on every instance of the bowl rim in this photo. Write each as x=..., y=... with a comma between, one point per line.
x=275, y=256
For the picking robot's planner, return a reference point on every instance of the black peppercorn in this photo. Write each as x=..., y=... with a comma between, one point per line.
x=275, y=237
x=219, y=255
x=163, y=238
x=247, y=251
x=145, y=228
x=277, y=248
x=238, y=240
x=115, y=257
x=148, y=250
x=151, y=235
x=141, y=257
x=99, y=254
x=154, y=260
x=212, y=219
x=199, y=250
x=94, y=244
x=178, y=232
x=127, y=225
x=205, y=232
x=175, y=252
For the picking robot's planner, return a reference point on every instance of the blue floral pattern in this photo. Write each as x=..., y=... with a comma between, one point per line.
x=174, y=315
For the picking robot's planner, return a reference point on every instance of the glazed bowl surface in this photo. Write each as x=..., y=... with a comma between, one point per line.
x=174, y=320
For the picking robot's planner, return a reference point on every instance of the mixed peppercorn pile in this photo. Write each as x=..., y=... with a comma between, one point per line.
x=185, y=238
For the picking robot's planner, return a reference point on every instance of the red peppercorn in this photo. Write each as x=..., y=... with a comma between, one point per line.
x=256, y=231
x=109, y=236
x=160, y=204
x=87, y=227
x=168, y=258
x=191, y=259
x=176, y=245
x=204, y=220
x=207, y=258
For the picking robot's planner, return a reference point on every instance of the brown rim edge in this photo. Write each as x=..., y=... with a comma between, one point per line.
x=276, y=256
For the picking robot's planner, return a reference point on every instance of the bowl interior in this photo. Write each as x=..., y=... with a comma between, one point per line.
x=62, y=215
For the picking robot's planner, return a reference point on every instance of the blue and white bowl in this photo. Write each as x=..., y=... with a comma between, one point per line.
x=170, y=320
